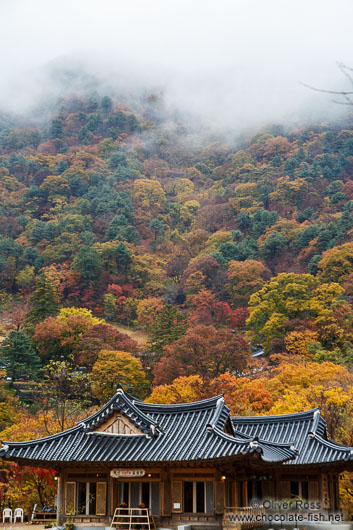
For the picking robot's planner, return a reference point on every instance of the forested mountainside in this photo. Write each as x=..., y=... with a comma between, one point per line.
x=133, y=252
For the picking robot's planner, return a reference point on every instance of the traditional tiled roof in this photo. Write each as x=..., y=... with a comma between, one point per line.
x=168, y=433
x=305, y=430
x=189, y=432
x=125, y=404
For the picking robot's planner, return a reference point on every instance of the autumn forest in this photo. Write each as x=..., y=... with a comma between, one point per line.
x=136, y=251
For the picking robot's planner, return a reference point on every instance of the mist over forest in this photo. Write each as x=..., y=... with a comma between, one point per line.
x=237, y=65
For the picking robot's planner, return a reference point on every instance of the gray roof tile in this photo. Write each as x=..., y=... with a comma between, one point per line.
x=185, y=432
x=305, y=430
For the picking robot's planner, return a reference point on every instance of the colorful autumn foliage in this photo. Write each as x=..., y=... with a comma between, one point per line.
x=203, y=350
x=117, y=366
x=294, y=301
x=110, y=217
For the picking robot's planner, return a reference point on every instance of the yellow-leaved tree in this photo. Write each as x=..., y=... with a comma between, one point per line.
x=117, y=367
x=290, y=302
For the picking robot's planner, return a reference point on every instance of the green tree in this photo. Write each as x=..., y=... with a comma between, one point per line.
x=313, y=264
x=261, y=220
x=305, y=236
x=118, y=222
x=33, y=258
x=117, y=160
x=44, y=301
x=84, y=135
x=107, y=104
x=120, y=229
x=19, y=356
x=170, y=325
x=56, y=129
x=274, y=245
x=122, y=256
x=87, y=263
x=158, y=227
x=10, y=252
x=246, y=249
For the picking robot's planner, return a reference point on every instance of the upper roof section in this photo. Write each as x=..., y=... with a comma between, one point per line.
x=128, y=430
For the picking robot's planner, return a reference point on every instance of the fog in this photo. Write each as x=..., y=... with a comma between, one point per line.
x=228, y=63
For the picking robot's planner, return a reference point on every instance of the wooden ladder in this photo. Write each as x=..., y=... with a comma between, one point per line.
x=132, y=519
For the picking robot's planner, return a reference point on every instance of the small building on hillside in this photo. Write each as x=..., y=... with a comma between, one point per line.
x=185, y=462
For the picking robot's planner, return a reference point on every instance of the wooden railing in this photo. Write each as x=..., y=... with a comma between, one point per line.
x=246, y=518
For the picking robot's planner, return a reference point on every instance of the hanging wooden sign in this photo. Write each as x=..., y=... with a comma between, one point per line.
x=127, y=473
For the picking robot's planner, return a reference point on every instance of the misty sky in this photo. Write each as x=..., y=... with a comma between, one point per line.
x=232, y=62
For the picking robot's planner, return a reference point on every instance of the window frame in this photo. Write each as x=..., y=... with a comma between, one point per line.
x=194, y=496
x=140, y=492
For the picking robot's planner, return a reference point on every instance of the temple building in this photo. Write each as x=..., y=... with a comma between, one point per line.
x=185, y=462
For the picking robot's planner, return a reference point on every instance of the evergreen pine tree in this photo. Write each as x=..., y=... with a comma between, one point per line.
x=87, y=263
x=169, y=326
x=122, y=256
x=19, y=356
x=44, y=301
x=107, y=104
x=56, y=129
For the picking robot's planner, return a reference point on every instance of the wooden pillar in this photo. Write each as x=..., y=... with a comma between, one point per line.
x=245, y=493
x=333, y=484
x=233, y=493
x=325, y=491
x=336, y=484
x=320, y=496
x=115, y=495
x=331, y=492
x=167, y=494
x=110, y=498
x=60, y=499
x=219, y=496
x=276, y=484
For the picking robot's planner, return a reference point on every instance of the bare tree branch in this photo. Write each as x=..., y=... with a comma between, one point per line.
x=342, y=102
x=345, y=94
x=337, y=92
x=344, y=69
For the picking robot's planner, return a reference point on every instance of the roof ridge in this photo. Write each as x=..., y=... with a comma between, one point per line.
x=229, y=437
x=291, y=415
x=115, y=404
x=103, y=408
x=221, y=408
x=112, y=405
x=315, y=422
x=278, y=444
x=257, y=445
x=179, y=407
x=250, y=439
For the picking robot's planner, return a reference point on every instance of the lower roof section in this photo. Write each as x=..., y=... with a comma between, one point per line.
x=305, y=430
